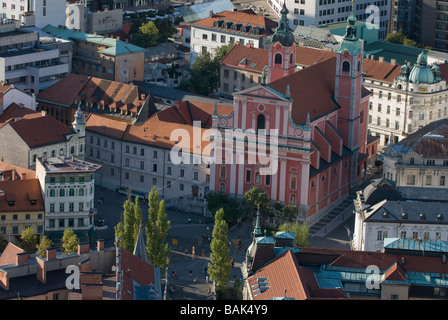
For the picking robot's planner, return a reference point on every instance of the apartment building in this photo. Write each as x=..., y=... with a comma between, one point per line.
x=27, y=64
x=419, y=163
x=138, y=157
x=67, y=186
x=425, y=21
x=125, y=102
x=403, y=103
x=43, y=11
x=21, y=206
x=29, y=135
x=103, y=57
x=229, y=27
x=322, y=12
x=395, y=217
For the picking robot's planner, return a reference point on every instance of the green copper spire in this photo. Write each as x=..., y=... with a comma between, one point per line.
x=350, y=41
x=283, y=34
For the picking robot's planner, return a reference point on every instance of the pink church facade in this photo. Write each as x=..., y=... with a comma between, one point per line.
x=319, y=115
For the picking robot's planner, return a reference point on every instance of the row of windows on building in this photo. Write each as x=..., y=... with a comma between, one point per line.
x=168, y=183
x=383, y=234
x=71, y=206
x=127, y=149
x=66, y=223
x=429, y=180
x=53, y=153
x=15, y=229
x=69, y=192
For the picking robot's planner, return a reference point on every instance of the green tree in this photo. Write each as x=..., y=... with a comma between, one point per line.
x=28, y=240
x=42, y=247
x=204, y=75
x=400, y=38
x=157, y=230
x=300, y=230
x=128, y=237
x=256, y=198
x=138, y=217
x=220, y=264
x=166, y=29
x=69, y=242
x=231, y=206
x=147, y=35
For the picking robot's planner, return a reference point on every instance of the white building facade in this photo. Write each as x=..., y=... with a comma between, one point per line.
x=25, y=63
x=423, y=221
x=68, y=189
x=419, y=164
x=321, y=12
x=417, y=97
x=45, y=11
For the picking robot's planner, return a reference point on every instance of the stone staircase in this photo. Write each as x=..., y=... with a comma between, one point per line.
x=332, y=214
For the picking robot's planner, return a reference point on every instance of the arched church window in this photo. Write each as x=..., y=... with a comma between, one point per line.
x=346, y=66
x=261, y=122
x=291, y=59
x=359, y=66
x=399, y=87
x=278, y=58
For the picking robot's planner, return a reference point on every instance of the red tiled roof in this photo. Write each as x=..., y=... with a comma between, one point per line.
x=7, y=170
x=286, y=278
x=312, y=90
x=106, y=126
x=9, y=255
x=83, y=88
x=242, y=18
x=39, y=131
x=16, y=111
x=156, y=131
x=65, y=90
x=21, y=192
x=306, y=56
x=134, y=269
x=258, y=58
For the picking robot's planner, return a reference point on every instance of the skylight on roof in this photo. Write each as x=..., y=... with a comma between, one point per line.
x=253, y=65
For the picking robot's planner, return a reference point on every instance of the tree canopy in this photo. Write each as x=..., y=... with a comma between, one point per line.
x=147, y=35
x=157, y=230
x=204, y=75
x=69, y=242
x=220, y=264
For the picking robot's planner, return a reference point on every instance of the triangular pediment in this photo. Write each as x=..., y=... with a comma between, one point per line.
x=262, y=92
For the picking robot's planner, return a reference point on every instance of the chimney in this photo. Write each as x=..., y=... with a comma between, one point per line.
x=210, y=14
x=43, y=113
x=22, y=258
x=13, y=174
x=118, y=38
x=100, y=245
x=83, y=247
x=51, y=253
x=381, y=59
x=393, y=61
x=4, y=279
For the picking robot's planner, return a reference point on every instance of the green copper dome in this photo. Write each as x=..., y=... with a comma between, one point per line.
x=421, y=72
x=283, y=34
